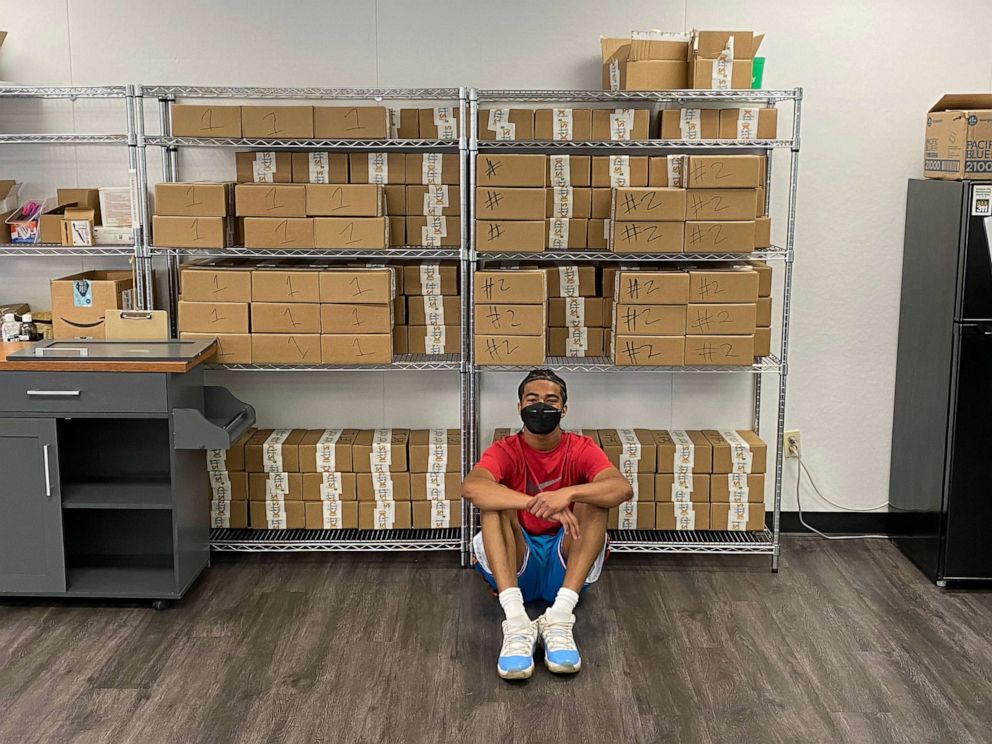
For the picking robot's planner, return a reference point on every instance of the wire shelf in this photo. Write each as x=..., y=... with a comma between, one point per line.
x=401, y=362
x=35, y=91
x=649, y=144
x=293, y=541
x=645, y=96
x=63, y=139
x=55, y=250
x=300, y=144
x=774, y=253
x=605, y=364
x=389, y=254
x=343, y=94
x=691, y=541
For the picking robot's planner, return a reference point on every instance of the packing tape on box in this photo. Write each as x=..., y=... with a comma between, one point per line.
x=434, y=339
x=685, y=515
x=577, y=342
x=562, y=128
x=435, y=200
x=331, y=486
x=447, y=125
x=275, y=514
x=497, y=117
x=614, y=74
x=272, y=451
x=220, y=485
x=435, y=486
x=382, y=486
x=378, y=168
x=568, y=280
x=394, y=123
x=220, y=513
x=440, y=514
x=324, y=457
x=430, y=279
x=737, y=516
x=621, y=124
x=575, y=312
x=276, y=486
x=676, y=171
x=332, y=514
x=682, y=487
x=562, y=201
x=630, y=454
x=433, y=310
x=384, y=515
x=318, y=166
x=619, y=171
x=747, y=123
x=737, y=488
x=685, y=452
x=559, y=168
x=437, y=453
x=689, y=124
x=381, y=455
x=435, y=229
x=216, y=460
x=558, y=234
x=740, y=452
x=263, y=167
x=723, y=67
x=430, y=170
x=627, y=516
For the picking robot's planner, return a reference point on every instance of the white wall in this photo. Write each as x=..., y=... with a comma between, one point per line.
x=870, y=71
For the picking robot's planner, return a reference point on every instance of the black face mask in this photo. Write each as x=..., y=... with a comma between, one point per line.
x=540, y=418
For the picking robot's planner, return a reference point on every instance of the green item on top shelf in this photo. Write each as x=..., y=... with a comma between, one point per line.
x=757, y=73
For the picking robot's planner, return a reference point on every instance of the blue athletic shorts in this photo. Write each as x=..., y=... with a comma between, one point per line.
x=543, y=570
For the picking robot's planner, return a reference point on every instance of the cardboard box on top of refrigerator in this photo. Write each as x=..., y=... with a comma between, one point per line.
x=518, y=170
x=435, y=451
x=319, y=167
x=194, y=120
x=563, y=124
x=350, y=122
x=194, y=199
x=958, y=141
x=80, y=302
x=264, y=167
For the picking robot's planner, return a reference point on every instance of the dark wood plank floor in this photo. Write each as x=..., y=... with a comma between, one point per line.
x=847, y=644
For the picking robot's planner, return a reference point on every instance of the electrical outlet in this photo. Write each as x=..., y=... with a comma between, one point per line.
x=793, y=443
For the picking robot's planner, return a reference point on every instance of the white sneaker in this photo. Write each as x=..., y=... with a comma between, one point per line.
x=561, y=655
x=516, y=657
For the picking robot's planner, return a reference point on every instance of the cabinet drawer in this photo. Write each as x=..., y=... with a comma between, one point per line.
x=83, y=392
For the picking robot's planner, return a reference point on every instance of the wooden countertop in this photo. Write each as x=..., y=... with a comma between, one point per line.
x=82, y=365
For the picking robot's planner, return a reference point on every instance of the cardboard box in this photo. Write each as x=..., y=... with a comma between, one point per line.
x=361, y=286
x=654, y=74
x=720, y=319
x=513, y=286
x=723, y=285
x=621, y=124
x=509, y=350
x=601, y=204
x=380, y=450
x=278, y=348
x=577, y=342
x=715, y=236
x=331, y=515
x=436, y=487
x=296, y=317
x=682, y=516
x=355, y=348
x=568, y=170
x=703, y=74
x=434, y=230
x=276, y=232
x=517, y=236
x=762, y=341
x=682, y=487
x=440, y=122
x=566, y=235
x=341, y=318
x=408, y=124
x=506, y=124
x=384, y=515
x=344, y=200
x=721, y=204
x=737, y=517
x=651, y=320
x=50, y=224
x=350, y=122
x=432, y=168
x=958, y=135
x=433, y=310
x=274, y=515
x=512, y=170
x=77, y=226
x=228, y=514
x=597, y=235
x=193, y=199
x=646, y=237
x=435, y=339
x=692, y=449
x=319, y=167
x=400, y=345
x=654, y=351
x=615, y=171
x=264, y=167
x=742, y=451
x=568, y=202
x=213, y=317
x=431, y=279
x=277, y=122
x=571, y=280
x=724, y=172
x=435, y=515
x=720, y=351
x=630, y=450
x=397, y=231
x=762, y=232
x=270, y=200
x=432, y=200
x=648, y=204
x=191, y=232
x=689, y=124
x=563, y=124
x=507, y=203
x=436, y=451
x=749, y=124
x=764, y=277
x=370, y=233
x=232, y=459
x=510, y=320
x=378, y=167
x=330, y=485
x=399, y=310
x=232, y=348
x=668, y=170
x=327, y=450
x=738, y=488
x=274, y=451
x=661, y=287
x=229, y=485
x=578, y=312
x=276, y=285
x=763, y=315
x=632, y=515
x=190, y=120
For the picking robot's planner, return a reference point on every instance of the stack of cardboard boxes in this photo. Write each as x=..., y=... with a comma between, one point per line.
x=578, y=320
x=649, y=317
x=228, y=479
x=634, y=453
x=510, y=317
x=737, y=485
x=723, y=60
x=763, y=331
x=432, y=310
x=194, y=215
x=435, y=477
x=721, y=316
x=728, y=124
x=564, y=124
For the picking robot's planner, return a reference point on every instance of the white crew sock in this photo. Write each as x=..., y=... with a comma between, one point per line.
x=512, y=600
x=565, y=602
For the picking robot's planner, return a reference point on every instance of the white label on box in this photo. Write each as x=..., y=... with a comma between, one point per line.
x=621, y=124
x=577, y=342
x=497, y=117
x=685, y=516
x=689, y=125
x=558, y=234
x=431, y=168
x=430, y=279
x=562, y=200
x=331, y=486
x=275, y=514
x=740, y=452
x=981, y=201
x=682, y=480
x=220, y=513
x=447, y=125
x=438, y=226
x=568, y=280
x=272, y=451
x=506, y=131
x=575, y=312
x=80, y=232
x=628, y=515
x=394, y=123
x=317, y=163
x=220, y=485
x=440, y=514
x=379, y=168
x=435, y=200
x=685, y=451
x=433, y=310
x=723, y=68
x=216, y=460
x=437, y=453
x=737, y=516
x=384, y=514
x=276, y=486
x=428, y=239
x=561, y=124
x=382, y=486
x=263, y=167
x=747, y=123
x=630, y=456
x=332, y=514
x=614, y=74
x=325, y=451
x=435, y=486
x=680, y=495
x=619, y=171
x=382, y=450
x=560, y=169
x=737, y=488
x=434, y=339
x=676, y=171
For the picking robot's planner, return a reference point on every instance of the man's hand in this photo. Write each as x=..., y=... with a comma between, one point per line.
x=548, y=503
x=569, y=521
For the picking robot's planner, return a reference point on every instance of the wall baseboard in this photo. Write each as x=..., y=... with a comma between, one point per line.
x=843, y=523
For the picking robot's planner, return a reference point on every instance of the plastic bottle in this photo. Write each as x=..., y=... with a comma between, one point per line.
x=29, y=331
x=11, y=329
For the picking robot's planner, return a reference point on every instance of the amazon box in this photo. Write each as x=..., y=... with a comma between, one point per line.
x=521, y=286
x=568, y=170
x=737, y=517
x=277, y=122
x=632, y=515
x=277, y=232
x=80, y=302
x=720, y=351
x=275, y=485
x=378, y=167
x=319, y=167
x=270, y=200
x=653, y=351
x=563, y=124
x=621, y=124
x=380, y=450
x=275, y=285
x=647, y=237
x=516, y=236
x=683, y=449
x=232, y=348
x=433, y=339
x=274, y=451
x=719, y=236
x=682, y=488
x=433, y=310
x=331, y=515
x=720, y=319
x=278, y=348
x=436, y=451
x=749, y=123
x=576, y=342
x=958, y=140
x=740, y=451
x=432, y=169
x=228, y=514
x=213, y=317
x=330, y=485
x=193, y=199
x=648, y=204
x=440, y=123
x=345, y=200
x=327, y=450
x=297, y=317
x=355, y=318
x=189, y=120
x=512, y=170
x=617, y=171
x=371, y=233
x=506, y=203
x=431, y=279
x=356, y=348
x=510, y=320
x=568, y=202
x=725, y=172
x=630, y=450
x=384, y=515
x=723, y=285
x=432, y=200
x=192, y=232
x=277, y=515
x=690, y=124
x=721, y=204
x=738, y=488
x=437, y=486
x=682, y=515
x=578, y=312
x=350, y=122
x=506, y=124
x=651, y=287
x=571, y=280
x=650, y=320
x=509, y=350
x=357, y=286
x=436, y=515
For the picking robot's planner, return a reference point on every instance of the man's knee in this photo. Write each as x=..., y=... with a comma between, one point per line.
x=590, y=514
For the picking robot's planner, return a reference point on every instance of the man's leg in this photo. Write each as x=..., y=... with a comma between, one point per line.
x=581, y=554
x=505, y=547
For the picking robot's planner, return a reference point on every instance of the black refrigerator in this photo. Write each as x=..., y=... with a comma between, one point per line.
x=940, y=492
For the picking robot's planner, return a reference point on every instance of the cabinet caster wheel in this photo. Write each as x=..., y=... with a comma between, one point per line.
x=161, y=604
x=942, y=584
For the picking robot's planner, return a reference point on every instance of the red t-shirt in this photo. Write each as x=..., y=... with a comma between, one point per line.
x=514, y=464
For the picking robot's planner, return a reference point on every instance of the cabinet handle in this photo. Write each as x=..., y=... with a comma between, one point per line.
x=48, y=474
x=53, y=393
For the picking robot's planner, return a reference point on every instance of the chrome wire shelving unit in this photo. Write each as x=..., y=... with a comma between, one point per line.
x=767, y=541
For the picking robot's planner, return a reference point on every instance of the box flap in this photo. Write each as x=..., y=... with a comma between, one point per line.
x=79, y=213
x=655, y=44
x=610, y=46
x=709, y=44
x=963, y=102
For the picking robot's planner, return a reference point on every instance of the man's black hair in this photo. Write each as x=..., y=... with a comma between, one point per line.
x=544, y=374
